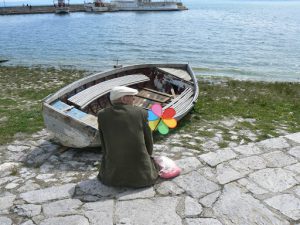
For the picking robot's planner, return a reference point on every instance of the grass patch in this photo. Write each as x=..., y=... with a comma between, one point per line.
x=271, y=105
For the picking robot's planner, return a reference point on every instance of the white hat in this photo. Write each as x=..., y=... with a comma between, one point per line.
x=120, y=91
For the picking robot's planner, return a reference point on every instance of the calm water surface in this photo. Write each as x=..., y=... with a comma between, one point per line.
x=243, y=39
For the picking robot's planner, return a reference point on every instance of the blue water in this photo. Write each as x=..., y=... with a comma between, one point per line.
x=243, y=39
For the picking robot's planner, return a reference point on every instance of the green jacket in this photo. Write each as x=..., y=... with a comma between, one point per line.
x=127, y=146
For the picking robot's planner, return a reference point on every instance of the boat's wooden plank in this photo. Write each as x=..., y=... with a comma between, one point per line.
x=183, y=74
x=187, y=92
x=158, y=92
x=153, y=96
x=85, y=97
x=181, y=107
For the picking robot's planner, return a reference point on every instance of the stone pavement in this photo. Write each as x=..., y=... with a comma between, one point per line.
x=257, y=183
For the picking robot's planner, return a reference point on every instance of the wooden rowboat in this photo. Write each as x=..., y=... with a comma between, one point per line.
x=71, y=112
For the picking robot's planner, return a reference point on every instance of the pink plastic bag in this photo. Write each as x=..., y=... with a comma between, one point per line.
x=168, y=168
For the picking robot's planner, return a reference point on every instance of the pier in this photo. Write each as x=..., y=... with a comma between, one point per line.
x=37, y=9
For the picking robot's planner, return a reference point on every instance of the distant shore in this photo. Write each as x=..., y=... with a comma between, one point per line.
x=15, y=10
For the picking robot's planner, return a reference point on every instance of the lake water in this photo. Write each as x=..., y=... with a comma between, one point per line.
x=243, y=39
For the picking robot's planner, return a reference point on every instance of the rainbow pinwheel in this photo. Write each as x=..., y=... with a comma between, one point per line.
x=161, y=120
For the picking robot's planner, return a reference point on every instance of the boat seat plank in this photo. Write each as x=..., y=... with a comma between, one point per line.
x=85, y=97
x=154, y=96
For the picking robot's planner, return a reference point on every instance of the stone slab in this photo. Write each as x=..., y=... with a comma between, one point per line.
x=250, y=149
x=61, y=207
x=6, y=202
x=278, y=159
x=286, y=204
x=148, y=212
x=295, y=152
x=273, y=144
x=294, y=137
x=252, y=187
x=210, y=199
x=47, y=194
x=28, y=210
x=226, y=174
x=5, y=221
x=236, y=207
x=96, y=188
x=196, y=185
x=168, y=188
x=188, y=164
x=248, y=164
x=136, y=193
x=99, y=212
x=275, y=180
x=67, y=220
x=202, y=221
x=214, y=158
x=191, y=207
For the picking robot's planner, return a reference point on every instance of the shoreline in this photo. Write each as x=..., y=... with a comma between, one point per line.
x=199, y=73
x=21, y=10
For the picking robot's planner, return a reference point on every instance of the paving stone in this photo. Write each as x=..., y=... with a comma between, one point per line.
x=252, y=187
x=236, y=208
x=6, y=201
x=47, y=194
x=5, y=221
x=202, y=221
x=61, y=207
x=29, y=186
x=294, y=137
x=168, y=188
x=188, y=164
x=5, y=180
x=39, y=155
x=28, y=210
x=226, y=174
x=295, y=168
x=295, y=152
x=275, y=180
x=99, y=212
x=28, y=222
x=297, y=191
x=286, y=204
x=8, y=168
x=44, y=176
x=136, y=193
x=208, y=172
x=67, y=220
x=273, y=143
x=191, y=207
x=214, y=158
x=210, y=145
x=96, y=188
x=248, y=164
x=278, y=159
x=11, y=186
x=17, y=148
x=196, y=185
x=210, y=199
x=148, y=212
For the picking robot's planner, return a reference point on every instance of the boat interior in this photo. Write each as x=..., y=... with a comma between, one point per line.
x=166, y=86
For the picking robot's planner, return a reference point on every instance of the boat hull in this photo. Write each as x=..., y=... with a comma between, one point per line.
x=73, y=131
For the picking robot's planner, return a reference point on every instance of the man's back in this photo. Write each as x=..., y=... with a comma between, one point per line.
x=127, y=145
